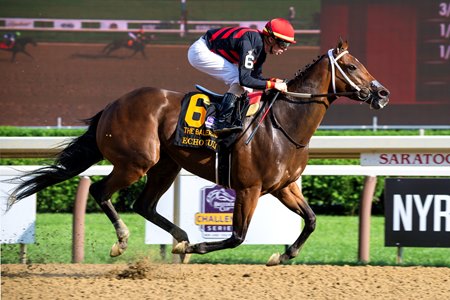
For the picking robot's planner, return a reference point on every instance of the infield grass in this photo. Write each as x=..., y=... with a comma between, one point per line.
x=335, y=241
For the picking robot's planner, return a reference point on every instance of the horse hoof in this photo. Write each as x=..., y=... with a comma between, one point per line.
x=274, y=260
x=180, y=248
x=117, y=250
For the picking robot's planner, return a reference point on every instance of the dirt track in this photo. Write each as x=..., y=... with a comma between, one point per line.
x=145, y=280
x=75, y=81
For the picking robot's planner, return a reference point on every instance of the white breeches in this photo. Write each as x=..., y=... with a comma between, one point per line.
x=204, y=60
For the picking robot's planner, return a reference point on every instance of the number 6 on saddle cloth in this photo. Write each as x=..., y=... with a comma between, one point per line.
x=198, y=113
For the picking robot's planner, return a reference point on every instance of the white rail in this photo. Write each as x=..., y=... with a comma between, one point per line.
x=319, y=147
x=102, y=25
x=313, y=170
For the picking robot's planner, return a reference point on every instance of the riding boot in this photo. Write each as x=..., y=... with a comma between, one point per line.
x=224, y=122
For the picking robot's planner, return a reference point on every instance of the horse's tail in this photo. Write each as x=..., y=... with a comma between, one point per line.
x=79, y=155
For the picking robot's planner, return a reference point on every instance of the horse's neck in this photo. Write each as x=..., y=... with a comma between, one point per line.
x=309, y=114
x=314, y=80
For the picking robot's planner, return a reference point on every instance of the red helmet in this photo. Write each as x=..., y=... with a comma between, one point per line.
x=281, y=29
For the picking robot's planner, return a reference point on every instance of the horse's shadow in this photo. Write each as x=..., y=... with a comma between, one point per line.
x=97, y=56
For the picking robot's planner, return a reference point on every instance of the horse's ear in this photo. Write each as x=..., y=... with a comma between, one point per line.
x=342, y=45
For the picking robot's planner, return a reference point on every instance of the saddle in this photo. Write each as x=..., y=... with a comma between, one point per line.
x=3, y=45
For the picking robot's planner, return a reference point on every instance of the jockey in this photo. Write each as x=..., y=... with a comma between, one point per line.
x=136, y=37
x=10, y=38
x=235, y=55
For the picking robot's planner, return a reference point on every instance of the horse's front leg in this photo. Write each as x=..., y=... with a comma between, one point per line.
x=244, y=207
x=143, y=52
x=13, y=57
x=292, y=197
x=28, y=54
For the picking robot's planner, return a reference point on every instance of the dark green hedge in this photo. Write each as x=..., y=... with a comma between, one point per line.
x=335, y=195
x=326, y=194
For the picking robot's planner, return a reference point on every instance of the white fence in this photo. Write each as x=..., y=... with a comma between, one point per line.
x=153, y=26
x=311, y=170
x=320, y=146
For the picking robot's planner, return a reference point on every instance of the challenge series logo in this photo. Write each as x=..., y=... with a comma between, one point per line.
x=216, y=218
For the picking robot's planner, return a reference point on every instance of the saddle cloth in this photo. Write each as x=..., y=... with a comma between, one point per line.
x=194, y=128
x=194, y=131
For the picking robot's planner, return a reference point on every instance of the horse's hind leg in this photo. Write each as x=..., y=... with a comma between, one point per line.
x=106, y=48
x=143, y=53
x=292, y=197
x=159, y=179
x=102, y=192
x=109, y=49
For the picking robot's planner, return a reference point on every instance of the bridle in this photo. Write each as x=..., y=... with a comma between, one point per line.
x=334, y=65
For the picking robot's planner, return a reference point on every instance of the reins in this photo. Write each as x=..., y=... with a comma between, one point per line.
x=309, y=96
x=334, y=65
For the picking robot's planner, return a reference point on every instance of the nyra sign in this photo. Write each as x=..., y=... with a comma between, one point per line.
x=417, y=212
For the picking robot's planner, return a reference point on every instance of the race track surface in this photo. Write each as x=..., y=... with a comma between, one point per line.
x=75, y=81
x=146, y=280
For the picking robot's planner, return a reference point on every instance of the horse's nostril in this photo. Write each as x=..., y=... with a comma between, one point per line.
x=383, y=93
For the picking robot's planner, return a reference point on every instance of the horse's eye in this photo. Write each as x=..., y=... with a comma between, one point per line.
x=352, y=67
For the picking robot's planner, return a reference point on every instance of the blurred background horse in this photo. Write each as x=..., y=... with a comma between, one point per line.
x=19, y=46
x=135, y=45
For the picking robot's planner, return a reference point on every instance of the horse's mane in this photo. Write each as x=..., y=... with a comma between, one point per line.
x=301, y=72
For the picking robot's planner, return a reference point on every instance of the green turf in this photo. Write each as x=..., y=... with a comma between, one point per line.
x=335, y=241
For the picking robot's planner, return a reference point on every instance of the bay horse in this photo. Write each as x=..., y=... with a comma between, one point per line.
x=19, y=47
x=136, y=134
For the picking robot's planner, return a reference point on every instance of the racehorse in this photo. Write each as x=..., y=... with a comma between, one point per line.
x=136, y=134
x=135, y=45
x=19, y=47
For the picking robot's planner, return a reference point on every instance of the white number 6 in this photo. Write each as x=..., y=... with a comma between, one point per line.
x=249, y=61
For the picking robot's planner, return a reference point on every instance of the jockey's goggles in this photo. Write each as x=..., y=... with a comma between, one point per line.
x=282, y=43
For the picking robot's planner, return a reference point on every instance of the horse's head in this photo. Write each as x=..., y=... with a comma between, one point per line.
x=349, y=74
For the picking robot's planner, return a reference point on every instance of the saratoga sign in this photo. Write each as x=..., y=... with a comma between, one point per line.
x=405, y=159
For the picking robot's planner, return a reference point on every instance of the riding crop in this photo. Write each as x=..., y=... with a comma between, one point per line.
x=262, y=118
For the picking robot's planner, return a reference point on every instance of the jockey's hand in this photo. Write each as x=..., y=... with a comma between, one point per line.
x=281, y=86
